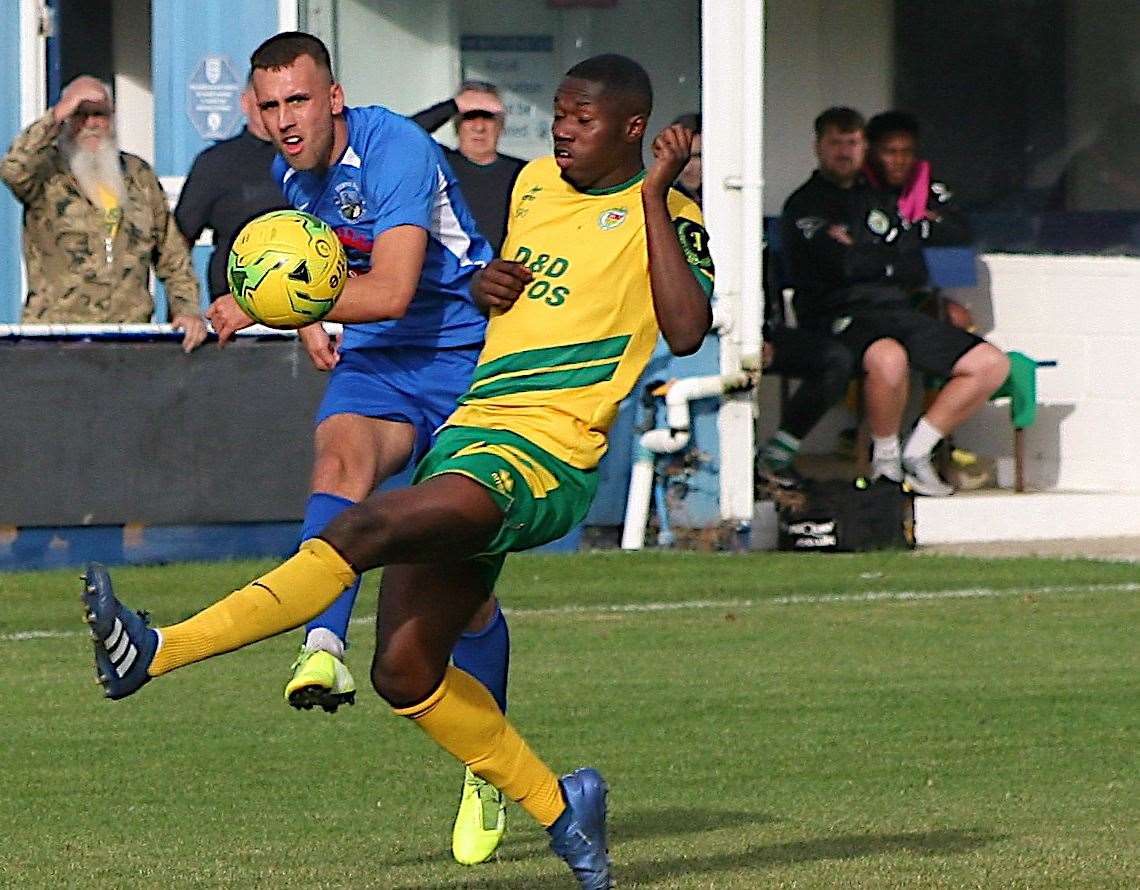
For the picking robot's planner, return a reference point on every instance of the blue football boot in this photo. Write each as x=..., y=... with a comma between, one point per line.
x=124, y=645
x=579, y=835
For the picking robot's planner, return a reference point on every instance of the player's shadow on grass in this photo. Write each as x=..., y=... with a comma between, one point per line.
x=628, y=825
x=942, y=842
x=625, y=826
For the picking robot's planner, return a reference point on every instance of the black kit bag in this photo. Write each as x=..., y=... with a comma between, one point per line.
x=841, y=516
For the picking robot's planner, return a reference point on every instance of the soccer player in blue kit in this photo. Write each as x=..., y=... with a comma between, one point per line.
x=410, y=342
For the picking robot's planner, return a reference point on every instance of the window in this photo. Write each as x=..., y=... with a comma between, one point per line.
x=1031, y=112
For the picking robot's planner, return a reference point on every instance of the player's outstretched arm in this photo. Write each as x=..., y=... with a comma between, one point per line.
x=683, y=311
x=386, y=289
x=497, y=286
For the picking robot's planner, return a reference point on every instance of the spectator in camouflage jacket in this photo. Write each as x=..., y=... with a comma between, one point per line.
x=94, y=220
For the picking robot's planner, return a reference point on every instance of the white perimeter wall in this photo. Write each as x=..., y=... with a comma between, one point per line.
x=1084, y=312
x=399, y=54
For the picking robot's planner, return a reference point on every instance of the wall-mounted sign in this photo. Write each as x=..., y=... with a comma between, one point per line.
x=213, y=98
x=522, y=67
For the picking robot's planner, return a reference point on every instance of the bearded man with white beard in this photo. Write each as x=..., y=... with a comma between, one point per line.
x=95, y=219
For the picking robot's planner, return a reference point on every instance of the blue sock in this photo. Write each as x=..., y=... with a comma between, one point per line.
x=486, y=656
x=320, y=510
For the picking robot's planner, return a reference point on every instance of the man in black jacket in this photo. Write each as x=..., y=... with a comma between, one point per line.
x=229, y=184
x=485, y=176
x=853, y=261
x=894, y=166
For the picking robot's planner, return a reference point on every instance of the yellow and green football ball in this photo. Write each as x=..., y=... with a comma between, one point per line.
x=287, y=269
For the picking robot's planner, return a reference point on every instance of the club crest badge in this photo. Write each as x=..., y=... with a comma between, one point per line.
x=612, y=218
x=878, y=222
x=349, y=201
x=809, y=225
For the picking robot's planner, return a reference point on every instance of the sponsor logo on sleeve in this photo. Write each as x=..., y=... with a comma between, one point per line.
x=694, y=242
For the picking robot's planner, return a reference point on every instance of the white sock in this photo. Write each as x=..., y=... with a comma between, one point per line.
x=324, y=639
x=922, y=440
x=884, y=447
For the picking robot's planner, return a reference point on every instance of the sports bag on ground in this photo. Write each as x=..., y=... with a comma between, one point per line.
x=841, y=516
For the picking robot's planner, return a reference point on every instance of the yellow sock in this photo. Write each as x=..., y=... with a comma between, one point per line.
x=463, y=718
x=299, y=589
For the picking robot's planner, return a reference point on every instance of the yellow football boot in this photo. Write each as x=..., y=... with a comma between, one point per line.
x=480, y=822
x=320, y=679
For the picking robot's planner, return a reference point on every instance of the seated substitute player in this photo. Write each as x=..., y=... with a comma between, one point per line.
x=854, y=261
x=893, y=165
x=410, y=343
x=605, y=255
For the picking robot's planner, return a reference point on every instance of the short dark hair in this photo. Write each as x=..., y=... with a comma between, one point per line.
x=890, y=122
x=282, y=50
x=620, y=75
x=841, y=118
x=690, y=121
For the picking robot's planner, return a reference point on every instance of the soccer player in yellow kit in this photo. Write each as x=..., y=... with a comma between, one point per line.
x=604, y=255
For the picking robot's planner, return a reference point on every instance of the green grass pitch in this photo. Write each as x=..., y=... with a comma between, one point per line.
x=765, y=721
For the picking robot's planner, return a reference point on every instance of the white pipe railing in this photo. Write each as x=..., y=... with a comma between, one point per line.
x=669, y=439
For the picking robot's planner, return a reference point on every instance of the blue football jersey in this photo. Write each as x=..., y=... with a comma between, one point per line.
x=393, y=174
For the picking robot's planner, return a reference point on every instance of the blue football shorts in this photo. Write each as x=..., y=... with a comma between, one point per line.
x=412, y=384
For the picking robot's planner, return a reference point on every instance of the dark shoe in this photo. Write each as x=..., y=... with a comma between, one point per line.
x=579, y=835
x=124, y=645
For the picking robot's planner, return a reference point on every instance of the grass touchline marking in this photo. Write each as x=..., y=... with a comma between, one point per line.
x=827, y=598
x=22, y=635
x=870, y=596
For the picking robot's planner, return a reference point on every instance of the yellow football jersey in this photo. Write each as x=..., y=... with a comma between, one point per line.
x=557, y=364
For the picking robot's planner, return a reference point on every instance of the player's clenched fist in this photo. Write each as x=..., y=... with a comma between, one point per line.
x=227, y=318
x=499, y=285
x=671, y=150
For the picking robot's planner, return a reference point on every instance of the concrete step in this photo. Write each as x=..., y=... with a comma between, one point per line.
x=998, y=515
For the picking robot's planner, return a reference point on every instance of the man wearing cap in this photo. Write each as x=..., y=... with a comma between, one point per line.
x=485, y=176
x=95, y=219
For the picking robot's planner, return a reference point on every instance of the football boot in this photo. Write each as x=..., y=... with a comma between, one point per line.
x=319, y=679
x=124, y=643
